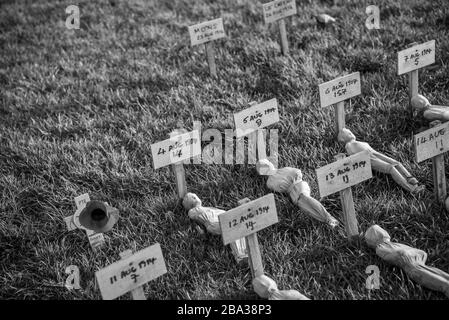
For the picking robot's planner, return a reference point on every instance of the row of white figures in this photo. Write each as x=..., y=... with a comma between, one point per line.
x=206, y=219
x=289, y=180
x=411, y=260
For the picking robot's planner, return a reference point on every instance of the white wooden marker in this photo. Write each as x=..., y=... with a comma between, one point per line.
x=339, y=176
x=412, y=59
x=205, y=33
x=174, y=151
x=432, y=144
x=96, y=240
x=278, y=10
x=336, y=91
x=245, y=221
x=255, y=118
x=73, y=280
x=131, y=273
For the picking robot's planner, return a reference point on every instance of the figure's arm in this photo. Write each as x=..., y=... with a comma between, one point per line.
x=315, y=209
x=385, y=158
x=412, y=261
x=430, y=277
x=437, y=113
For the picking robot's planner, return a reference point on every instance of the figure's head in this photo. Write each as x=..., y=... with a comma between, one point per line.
x=265, y=168
x=375, y=235
x=190, y=201
x=419, y=102
x=263, y=286
x=345, y=135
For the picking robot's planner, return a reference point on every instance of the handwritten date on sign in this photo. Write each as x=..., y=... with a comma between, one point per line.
x=432, y=142
x=279, y=9
x=248, y=218
x=128, y=274
x=344, y=173
x=176, y=149
x=416, y=57
x=256, y=117
x=206, y=31
x=340, y=89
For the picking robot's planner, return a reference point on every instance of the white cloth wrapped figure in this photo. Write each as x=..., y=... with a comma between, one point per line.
x=380, y=162
x=411, y=260
x=266, y=288
x=289, y=180
x=207, y=218
x=430, y=112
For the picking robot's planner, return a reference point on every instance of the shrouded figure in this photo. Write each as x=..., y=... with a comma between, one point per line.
x=207, y=218
x=430, y=112
x=380, y=162
x=266, y=288
x=289, y=180
x=411, y=260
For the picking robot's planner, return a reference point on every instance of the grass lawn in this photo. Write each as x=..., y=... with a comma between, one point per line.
x=79, y=110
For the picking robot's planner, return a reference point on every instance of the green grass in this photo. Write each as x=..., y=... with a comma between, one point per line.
x=80, y=109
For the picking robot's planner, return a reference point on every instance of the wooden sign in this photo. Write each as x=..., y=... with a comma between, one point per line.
x=416, y=57
x=344, y=173
x=176, y=149
x=132, y=272
x=256, y=117
x=340, y=89
x=248, y=218
x=279, y=9
x=206, y=31
x=432, y=142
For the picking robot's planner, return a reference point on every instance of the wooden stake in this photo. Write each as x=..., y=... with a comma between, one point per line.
x=347, y=205
x=211, y=59
x=283, y=33
x=197, y=126
x=254, y=255
x=261, y=148
x=178, y=169
x=439, y=175
x=138, y=293
x=413, y=83
x=261, y=145
x=340, y=115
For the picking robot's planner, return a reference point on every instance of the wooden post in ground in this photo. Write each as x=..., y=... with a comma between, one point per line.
x=244, y=222
x=278, y=10
x=411, y=60
x=336, y=91
x=433, y=144
x=211, y=58
x=340, y=176
x=137, y=293
x=180, y=174
x=283, y=36
x=340, y=115
x=347, y=206
x=205, y=33
x=131, y=272
x=254, y=255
